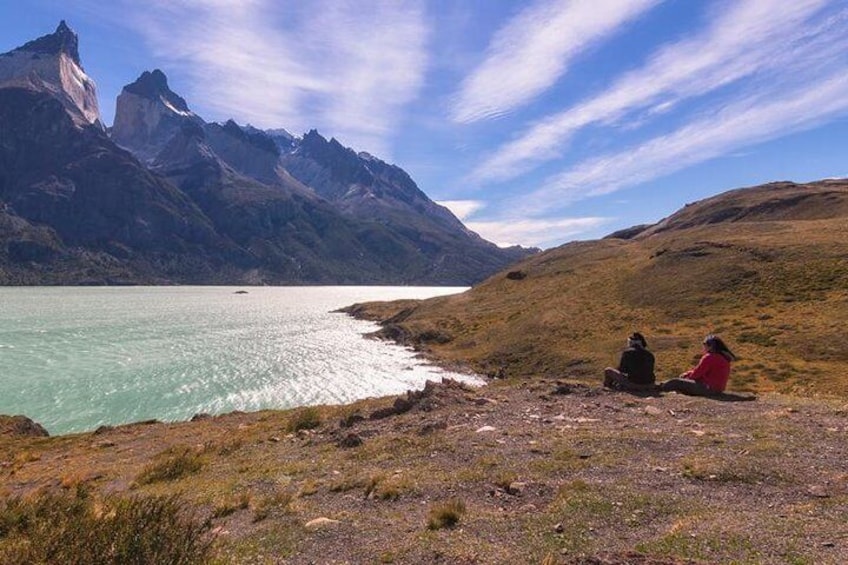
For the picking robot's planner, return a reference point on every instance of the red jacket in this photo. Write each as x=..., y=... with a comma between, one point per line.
x=713, y=371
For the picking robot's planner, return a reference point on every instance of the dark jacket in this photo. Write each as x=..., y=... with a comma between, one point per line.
x=638, y=364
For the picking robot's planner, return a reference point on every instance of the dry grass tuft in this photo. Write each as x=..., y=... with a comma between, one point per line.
x=445, y=514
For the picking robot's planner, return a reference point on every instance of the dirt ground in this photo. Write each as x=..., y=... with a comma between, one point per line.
x=514, y=472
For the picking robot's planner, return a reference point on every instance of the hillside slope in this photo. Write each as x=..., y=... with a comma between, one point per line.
x=765, y=267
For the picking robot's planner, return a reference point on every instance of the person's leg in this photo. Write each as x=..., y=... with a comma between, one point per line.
x=686, y=386
x=613, y=378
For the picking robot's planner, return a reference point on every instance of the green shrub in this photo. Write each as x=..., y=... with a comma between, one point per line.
x=70, y=529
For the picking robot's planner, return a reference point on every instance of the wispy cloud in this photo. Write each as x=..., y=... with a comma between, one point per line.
x=463, y=209
x=542, y=233
x=744, y=39
x=533, y=51
x=345, y=67
x=744, y=123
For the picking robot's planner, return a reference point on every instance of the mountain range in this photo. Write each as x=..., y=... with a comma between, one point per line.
x=164, y=197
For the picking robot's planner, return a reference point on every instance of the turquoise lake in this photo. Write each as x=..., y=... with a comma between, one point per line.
x=75, y=358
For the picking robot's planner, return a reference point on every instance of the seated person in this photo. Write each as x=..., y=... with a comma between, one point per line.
x=635, y=370
x=710, y=376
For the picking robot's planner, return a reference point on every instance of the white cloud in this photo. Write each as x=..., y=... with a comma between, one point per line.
x=744, y=38
x=346, y=67
x=463, y=209
x=742, y=124
x=534, y=49
x=542, y=233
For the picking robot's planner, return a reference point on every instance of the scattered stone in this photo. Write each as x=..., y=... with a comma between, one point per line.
x=653, y=411
x=486, y=429
x=828, y=544
x=431, y=427
x=320, y=523
x=105, y=444
x=558, y=528
x=584, y=455
x=516, y=275
x=21, y=426
x=200, y=417
x=516, y=488
x=350, y=440
x=818, y=491
x=240, y=292
x=102, y=430
x=274, y=439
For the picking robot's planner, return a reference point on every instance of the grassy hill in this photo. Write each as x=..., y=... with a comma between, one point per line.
x=765, y=267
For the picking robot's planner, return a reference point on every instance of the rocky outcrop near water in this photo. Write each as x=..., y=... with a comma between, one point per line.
x=20, y=426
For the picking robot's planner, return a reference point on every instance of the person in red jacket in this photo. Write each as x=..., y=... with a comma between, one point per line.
x=711, y=374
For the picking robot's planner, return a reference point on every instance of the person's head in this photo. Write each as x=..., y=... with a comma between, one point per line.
x=714, y=344
x=637, y=340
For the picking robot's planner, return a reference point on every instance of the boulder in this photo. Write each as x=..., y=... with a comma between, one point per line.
x=21, y=426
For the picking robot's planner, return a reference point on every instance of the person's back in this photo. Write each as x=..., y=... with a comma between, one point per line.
x=635, y=370
x=638, y=364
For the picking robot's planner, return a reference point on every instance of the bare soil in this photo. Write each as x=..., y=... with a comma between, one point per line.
x=546, y=471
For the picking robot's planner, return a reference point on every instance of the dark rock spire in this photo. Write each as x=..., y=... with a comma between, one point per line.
x=63, y=40
x=154, y=85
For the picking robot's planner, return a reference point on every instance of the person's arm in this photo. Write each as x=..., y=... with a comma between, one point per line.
x=701, y=370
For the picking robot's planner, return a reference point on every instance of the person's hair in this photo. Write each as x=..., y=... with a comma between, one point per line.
x=716, y=344
x=636, y=337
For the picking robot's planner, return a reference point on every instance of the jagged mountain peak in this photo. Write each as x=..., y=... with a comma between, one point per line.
x=63, y=40
x=153, y=85
x=51, y=64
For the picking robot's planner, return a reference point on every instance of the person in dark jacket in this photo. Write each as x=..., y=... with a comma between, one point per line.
x=635, y=370
x=710, y=376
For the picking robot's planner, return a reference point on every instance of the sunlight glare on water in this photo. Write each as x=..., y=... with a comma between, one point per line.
x=74, y=358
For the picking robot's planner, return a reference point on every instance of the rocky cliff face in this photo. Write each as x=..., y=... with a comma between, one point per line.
x=148, y=114
x=51, y=64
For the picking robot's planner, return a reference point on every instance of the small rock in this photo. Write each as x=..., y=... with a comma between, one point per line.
x=200, y=417
x=105, y=444
x=486, y=429
x=818, y=491
x=558, y=528
x=828, y=544
x=653, y=411
x=274, y=439
x=515, y=488
x=319, y=523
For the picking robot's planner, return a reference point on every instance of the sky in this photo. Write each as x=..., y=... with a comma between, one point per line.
x=537, y=122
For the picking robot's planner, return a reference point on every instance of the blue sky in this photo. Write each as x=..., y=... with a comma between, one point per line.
x=537, y=122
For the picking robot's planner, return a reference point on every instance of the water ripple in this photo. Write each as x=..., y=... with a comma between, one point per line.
x=77, y=358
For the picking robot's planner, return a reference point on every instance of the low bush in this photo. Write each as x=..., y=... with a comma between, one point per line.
x=307, y=418
x=72, y=528
x=445, y=514
x=172, y=464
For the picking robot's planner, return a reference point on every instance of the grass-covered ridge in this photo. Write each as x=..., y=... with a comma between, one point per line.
x=765, y=267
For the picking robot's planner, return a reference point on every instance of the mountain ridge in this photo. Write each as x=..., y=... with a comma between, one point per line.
x=254, y=219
